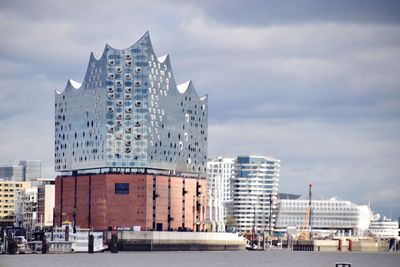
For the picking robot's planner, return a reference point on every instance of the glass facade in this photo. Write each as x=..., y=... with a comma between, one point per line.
x=130, y=113
x=24, y=170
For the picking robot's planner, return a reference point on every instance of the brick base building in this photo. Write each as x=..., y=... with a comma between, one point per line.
x=153, y=202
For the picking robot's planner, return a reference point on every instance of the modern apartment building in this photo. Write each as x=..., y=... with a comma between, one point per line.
x=240, y=191
x=219, y=175
x=254, y=187
x=327, y=216
x=131, y=144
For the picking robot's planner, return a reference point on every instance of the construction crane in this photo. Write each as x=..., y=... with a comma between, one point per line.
x=305, y=230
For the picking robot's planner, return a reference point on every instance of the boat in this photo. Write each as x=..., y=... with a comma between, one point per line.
x=79, y=240
x=384, y=229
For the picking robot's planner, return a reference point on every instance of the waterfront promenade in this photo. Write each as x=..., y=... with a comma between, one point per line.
x=280, y=258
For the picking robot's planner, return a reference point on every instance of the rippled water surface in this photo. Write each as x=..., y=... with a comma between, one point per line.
x=177, y=259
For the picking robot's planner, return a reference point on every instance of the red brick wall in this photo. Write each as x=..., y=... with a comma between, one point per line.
x=68, y=199
x=190, y=187
x=162, y=201
x=128, y=210
x=99, y=201
x=149, y=202
x=82, y=196
x=176, y=202
x=57, y=202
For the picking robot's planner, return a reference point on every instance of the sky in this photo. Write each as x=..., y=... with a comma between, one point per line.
x=315, y=84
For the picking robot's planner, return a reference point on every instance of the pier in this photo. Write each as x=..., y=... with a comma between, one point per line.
x=177, y=241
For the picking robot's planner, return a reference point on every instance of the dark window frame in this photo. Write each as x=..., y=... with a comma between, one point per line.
x=121, y=189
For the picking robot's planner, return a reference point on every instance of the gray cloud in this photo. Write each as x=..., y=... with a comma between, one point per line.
x=255, y=12
x=314, y=83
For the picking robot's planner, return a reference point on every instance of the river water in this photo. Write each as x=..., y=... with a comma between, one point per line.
x=187, y=259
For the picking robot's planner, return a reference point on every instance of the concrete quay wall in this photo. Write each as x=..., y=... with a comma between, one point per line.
x=178, y=241
x=361, y=245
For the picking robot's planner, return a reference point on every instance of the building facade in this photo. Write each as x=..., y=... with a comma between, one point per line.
x=10, y=193
x=46, y=202
x=129, y=113
x=329, y=216
x=24, y=170
x=219, y=174
x=147, y=201
x=131, y=145
x=384, y=228
x=27, y=208
x=254, y=186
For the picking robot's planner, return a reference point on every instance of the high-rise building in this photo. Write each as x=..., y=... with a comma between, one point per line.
x=24, y=170
x=219, y=174
x=129, y=113
x=254, y=186
x=131, y=144
x=32, y=169
x=240, y=191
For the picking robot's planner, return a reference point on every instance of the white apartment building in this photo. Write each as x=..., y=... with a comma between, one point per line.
x=26, y=208
x=219, y=174
x=254, y=186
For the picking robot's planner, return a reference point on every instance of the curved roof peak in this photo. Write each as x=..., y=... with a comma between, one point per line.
x=74, y=84
x=145, y=36
x=163, y=58
x=182, y=88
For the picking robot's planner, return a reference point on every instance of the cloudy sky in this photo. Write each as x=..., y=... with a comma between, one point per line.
x=313, y=83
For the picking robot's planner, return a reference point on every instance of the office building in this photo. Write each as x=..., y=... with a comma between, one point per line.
x=131, y=144
x=24, y=170
x=328, y=217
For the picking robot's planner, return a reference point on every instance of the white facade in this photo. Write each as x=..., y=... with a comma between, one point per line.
x=254, y=184
x=219, y=174
x=49, y=204
x=385, y=228
x=26, y=208
x=333, y=214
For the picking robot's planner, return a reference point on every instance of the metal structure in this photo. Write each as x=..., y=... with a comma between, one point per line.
x=305, y=233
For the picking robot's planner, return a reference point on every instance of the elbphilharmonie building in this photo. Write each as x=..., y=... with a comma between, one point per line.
x=131, y=145
x=129, y=113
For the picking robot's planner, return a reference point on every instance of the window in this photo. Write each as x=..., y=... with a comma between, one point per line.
x=122, y=188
